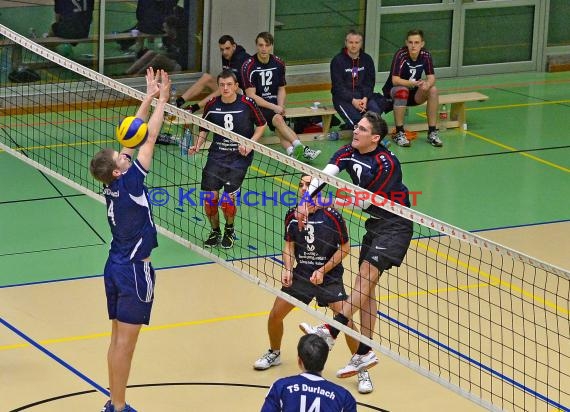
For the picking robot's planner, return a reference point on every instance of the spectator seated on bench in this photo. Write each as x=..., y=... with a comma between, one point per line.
x=151, y=15
x=72, y=18
x=174, y=57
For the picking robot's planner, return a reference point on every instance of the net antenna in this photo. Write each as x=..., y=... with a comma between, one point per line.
x=485, y=321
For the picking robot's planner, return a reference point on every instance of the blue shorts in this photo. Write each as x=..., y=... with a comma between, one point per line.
x=130, y=291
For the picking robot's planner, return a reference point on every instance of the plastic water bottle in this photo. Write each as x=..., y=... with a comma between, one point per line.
x=333, y=136
x=443, y=117
x=186, y=142
x=5, y=63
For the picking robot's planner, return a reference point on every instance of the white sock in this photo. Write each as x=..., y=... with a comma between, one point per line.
x=296, y=143
x=290, y=150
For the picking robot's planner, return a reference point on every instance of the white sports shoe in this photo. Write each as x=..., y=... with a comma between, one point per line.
x=268, y=360
x=364, y=382
x=310, y=154
x=319, y=330
x=358, y=363
x=401, y=139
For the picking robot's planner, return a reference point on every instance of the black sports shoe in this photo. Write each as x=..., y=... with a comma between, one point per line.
x=214, y=238
x=228, y=239
x=180, y=101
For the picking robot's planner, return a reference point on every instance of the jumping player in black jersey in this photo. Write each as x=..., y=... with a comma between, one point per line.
x=407, y=88
x=373, y=167
x=233, y=57
x=129, y=276
x=264, y=78
x=228, y=161
x=319, y=250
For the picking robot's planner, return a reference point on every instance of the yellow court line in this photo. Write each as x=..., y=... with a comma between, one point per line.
x=143, y=329
x=495, y=280
x=511, y=106
x=52, y=146
x=513, y=149
x=91, y=336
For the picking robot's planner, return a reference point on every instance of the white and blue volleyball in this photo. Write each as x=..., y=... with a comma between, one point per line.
x=132, y=132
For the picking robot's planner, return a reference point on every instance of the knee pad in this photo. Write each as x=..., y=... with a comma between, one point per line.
x=229, y=208
x=211, y=207
x=400, y=96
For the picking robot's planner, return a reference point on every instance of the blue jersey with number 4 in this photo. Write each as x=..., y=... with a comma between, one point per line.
x=130, y=216
x=307, y=393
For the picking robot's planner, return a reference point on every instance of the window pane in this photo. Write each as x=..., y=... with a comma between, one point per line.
x=437, y=35
x=180, y=53
x=559, y=16
x=408, y=2
x=313, y=32
x=498, y=35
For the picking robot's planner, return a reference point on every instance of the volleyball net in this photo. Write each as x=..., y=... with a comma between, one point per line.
x=483, y=320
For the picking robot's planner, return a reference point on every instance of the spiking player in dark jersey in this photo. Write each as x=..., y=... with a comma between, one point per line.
x=233, y=57
x=129, y=276
x=228, y=161
x=318, y=250
x=370, y=166
x=72, y=18
x=407, y=88
x=264, y=81
x=309, y=391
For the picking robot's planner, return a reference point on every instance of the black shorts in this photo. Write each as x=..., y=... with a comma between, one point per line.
x=70, y=29
x=216, y=175
x=386, y=241
x=412, y=97
x=330, y=291
x=269, y=115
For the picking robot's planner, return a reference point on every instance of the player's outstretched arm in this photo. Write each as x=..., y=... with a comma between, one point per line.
x=162, y=82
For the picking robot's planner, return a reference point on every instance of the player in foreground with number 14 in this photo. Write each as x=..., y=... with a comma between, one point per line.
x=129, y=276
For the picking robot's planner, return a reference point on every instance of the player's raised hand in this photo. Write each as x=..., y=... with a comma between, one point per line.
x=163, y=85
x=151, y=82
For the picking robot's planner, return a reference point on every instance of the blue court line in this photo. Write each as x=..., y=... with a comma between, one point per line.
x=54, y=357
x=474, y=362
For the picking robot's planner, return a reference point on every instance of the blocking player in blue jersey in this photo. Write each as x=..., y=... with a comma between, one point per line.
x=373, y=167
x=309, y=391
x=72, y=18
x=318, y=250
x=407, y=88
x=264, y=78
x=129, y=275
x=233, y=57
x=228, y=161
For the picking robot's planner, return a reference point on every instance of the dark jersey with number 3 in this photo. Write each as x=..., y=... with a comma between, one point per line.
x=267, y=78
x=322, y=236
x=241, y=116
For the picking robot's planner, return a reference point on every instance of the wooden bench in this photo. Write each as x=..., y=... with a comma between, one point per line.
x=52, y=41
x=293, y=113
x=298, y=112
x=457, y=116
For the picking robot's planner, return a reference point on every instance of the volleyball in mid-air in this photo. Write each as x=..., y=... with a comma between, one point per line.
x=132, y=132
